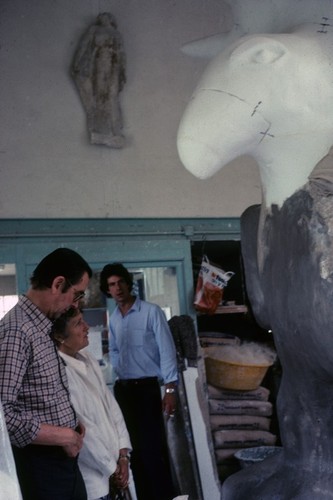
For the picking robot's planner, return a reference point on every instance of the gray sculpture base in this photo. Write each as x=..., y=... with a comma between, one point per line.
x=277, y=479
x=289, y=278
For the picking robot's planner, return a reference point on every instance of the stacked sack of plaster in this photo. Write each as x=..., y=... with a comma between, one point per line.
x=239, y=419
x=239, y=408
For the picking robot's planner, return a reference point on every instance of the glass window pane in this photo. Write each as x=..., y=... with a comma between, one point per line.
x=8, y=291
x=158, y=285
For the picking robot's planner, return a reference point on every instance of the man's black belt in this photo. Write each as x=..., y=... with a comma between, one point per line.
x=136, y=381
x=40, y=450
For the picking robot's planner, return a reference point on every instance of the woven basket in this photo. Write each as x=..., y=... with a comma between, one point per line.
x=234, y=376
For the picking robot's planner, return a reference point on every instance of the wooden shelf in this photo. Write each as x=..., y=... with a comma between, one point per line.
x=228, y=309
x=231, y=309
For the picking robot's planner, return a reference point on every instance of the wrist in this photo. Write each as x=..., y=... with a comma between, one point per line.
x=123, y=457
x=170, y=388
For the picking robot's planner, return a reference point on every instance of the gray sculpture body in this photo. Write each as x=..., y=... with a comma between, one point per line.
x=291, y=296
x=98, y=70
x=271, y=96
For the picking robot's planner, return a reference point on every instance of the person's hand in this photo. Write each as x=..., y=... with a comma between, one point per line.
x=75, y=442
x=120, y=477
x=169, y=405
x=69, y=439
x=81, y=429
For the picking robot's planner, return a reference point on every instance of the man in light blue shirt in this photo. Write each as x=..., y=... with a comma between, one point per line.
x=141, y=343
x=143, y=356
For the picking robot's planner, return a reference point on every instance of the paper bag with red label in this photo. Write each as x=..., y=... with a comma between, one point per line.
x=209, y=289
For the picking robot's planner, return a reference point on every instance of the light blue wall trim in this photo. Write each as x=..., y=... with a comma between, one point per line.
x=189, y=228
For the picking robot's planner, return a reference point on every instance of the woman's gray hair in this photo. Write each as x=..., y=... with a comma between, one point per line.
x=60, y=325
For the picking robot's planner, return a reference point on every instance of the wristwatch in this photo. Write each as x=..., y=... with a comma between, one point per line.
x=170, y=390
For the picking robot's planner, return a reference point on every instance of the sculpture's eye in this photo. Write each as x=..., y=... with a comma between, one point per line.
x=258, y=50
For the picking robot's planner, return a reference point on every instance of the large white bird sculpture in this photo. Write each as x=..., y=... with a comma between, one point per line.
x=270, y=95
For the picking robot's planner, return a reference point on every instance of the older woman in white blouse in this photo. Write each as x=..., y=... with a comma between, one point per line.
x=105, y=452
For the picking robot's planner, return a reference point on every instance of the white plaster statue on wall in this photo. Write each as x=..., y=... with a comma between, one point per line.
x=98, y=70
x=271, y=96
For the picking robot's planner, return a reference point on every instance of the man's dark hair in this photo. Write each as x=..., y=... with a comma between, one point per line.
x=61, y=262
x=115, y=269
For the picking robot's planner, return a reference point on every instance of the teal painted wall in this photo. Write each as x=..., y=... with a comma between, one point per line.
x=136, y=242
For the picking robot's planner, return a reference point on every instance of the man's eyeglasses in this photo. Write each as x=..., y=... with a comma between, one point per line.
x=78, y=294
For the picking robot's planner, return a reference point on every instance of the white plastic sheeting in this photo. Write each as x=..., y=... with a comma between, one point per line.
x=9, y=486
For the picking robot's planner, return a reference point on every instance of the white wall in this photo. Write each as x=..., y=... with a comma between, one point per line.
x=48, y=167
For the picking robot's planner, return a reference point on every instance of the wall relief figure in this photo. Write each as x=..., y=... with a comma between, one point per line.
x=270, y=96
x=98, y=70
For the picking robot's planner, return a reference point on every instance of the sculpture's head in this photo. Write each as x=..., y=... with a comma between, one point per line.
x=261, y=90
x=106, y=19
